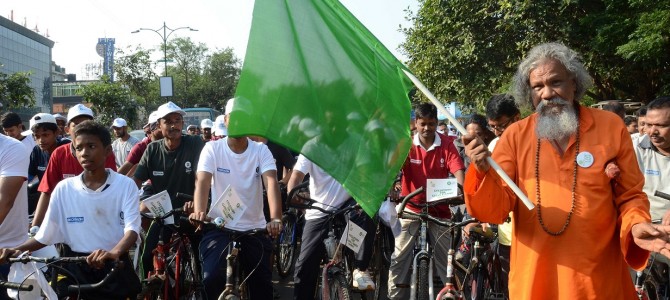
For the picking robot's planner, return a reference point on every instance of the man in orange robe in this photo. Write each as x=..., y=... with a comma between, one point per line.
x=585, y=229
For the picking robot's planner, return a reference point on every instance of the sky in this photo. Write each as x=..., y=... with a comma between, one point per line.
x=76, y=25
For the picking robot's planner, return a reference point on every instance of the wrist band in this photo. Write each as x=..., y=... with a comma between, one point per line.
x=276, y=221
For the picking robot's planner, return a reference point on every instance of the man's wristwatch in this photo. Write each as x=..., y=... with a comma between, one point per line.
x=276, y=220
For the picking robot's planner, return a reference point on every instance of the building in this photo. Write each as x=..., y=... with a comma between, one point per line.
x=23, y=50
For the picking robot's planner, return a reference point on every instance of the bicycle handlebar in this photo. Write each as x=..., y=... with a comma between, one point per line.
x=118, y=265
x=310, y=202
x=221, y=226
x=662, y=195
x=458, y=200
x=15, y=286
x=47, y=260
x=183, y=196
x=163, y=217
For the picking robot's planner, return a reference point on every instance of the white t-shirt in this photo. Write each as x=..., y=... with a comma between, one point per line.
x=243, y=173
x=14, y=162
x=656, y=170
x=329, y=194
x=121, y=149
x=87, y=220
x=29, y=143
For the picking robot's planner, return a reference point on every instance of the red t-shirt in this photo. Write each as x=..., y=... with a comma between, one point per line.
x=441, y=160
x=63, y=164
x=136, y=152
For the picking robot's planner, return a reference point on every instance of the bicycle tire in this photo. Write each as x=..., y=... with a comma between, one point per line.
x=422, y=280
x=286, y=247
x=192, y=278
x=379, y=267
x=488, y=282
x=338, y=287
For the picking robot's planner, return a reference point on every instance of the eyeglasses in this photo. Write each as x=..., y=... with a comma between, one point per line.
x=500, y=128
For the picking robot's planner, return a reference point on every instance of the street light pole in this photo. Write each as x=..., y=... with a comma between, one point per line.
x=167, y=31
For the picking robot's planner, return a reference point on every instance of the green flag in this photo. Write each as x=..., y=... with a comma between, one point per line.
x=317, y=81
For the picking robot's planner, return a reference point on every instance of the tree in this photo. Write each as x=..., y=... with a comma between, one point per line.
x=221, y=74
x=467, y=50
x=134, y=70
x=111, y=100
x=15, y=91
x=189, y=61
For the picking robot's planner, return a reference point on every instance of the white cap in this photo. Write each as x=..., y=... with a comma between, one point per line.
x=119, y=122
x=206, y=123
x=38, y=119
x=220, y=129
x=192, y=126
x=167, y=109
x=59, y=117
x=78, y=110
x=153, y=117
x=229, y=105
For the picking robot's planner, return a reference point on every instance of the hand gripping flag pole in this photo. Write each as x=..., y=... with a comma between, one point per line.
x=460, y=128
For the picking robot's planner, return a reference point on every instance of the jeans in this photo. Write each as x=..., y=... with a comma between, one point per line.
x=254, y=258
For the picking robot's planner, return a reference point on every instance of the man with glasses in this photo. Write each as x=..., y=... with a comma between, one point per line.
x=501, y=112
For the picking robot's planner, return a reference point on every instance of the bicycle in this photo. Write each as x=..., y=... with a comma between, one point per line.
x=235, y=288
x=653, y=282
x=58, y=273
x=481, y=279
x=287, y=242
x=176, y=267
x=336, y=276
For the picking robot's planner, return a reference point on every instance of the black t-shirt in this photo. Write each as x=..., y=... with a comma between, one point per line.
x=173, y=171
x=283, y=158
x=40, y=158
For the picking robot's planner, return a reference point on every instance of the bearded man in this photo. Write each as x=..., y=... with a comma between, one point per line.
x=584, y=231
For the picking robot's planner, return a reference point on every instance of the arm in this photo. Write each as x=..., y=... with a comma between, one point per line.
x=274, y=202
x=29, y=245
x=41, y=209
x=98, y=257
x=203, y=182
x=9, y=189
x=296, y=178
x=126, y=168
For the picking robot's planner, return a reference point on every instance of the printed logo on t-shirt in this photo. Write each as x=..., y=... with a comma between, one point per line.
x=68, y=175
x=40, y=168
x=415, y=161
x=223, y=170
x=652, y=172
x=121, y=220
x=187, y=165
x=158, y=173
x=441, y=162
x=75, y=219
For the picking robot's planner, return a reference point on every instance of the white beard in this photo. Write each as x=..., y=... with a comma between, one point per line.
x=557, y=122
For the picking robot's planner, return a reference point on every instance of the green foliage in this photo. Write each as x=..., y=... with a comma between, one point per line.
x=15, y=91
x=466, y=50
x=111, y=100
x=222, y=69
x=134, y=70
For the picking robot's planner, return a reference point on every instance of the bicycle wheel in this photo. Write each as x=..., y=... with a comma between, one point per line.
x=286, y=246
x=338, y=287
x=422, y=281
x=191, y=282
x=379, y=266
x=487, y=279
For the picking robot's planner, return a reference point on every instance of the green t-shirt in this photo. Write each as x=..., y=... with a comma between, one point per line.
x=173, y=171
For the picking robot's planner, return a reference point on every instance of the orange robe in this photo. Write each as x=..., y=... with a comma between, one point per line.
x=590, y=259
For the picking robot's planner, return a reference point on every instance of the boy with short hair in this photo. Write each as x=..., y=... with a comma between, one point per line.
x=94, y=214
x=433, y=155
x=44, y=129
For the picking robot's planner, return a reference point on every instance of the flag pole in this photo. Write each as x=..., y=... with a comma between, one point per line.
x=460, y=128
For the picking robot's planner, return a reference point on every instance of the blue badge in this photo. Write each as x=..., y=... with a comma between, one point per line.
x=75, y=219
x=652, y=172
x=227, y=171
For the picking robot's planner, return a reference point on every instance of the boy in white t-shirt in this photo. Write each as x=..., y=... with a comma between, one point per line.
x=95, y=214
x=329, y=195
x=242, y=164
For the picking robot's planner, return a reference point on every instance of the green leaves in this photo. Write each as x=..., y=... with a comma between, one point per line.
x=466, y=51
x=111, y=100
x=15, y=91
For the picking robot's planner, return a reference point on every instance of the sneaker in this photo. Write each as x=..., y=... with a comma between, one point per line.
x=363, y=281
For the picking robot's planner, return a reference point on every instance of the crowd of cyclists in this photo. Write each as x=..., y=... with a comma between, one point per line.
x=82, y=190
